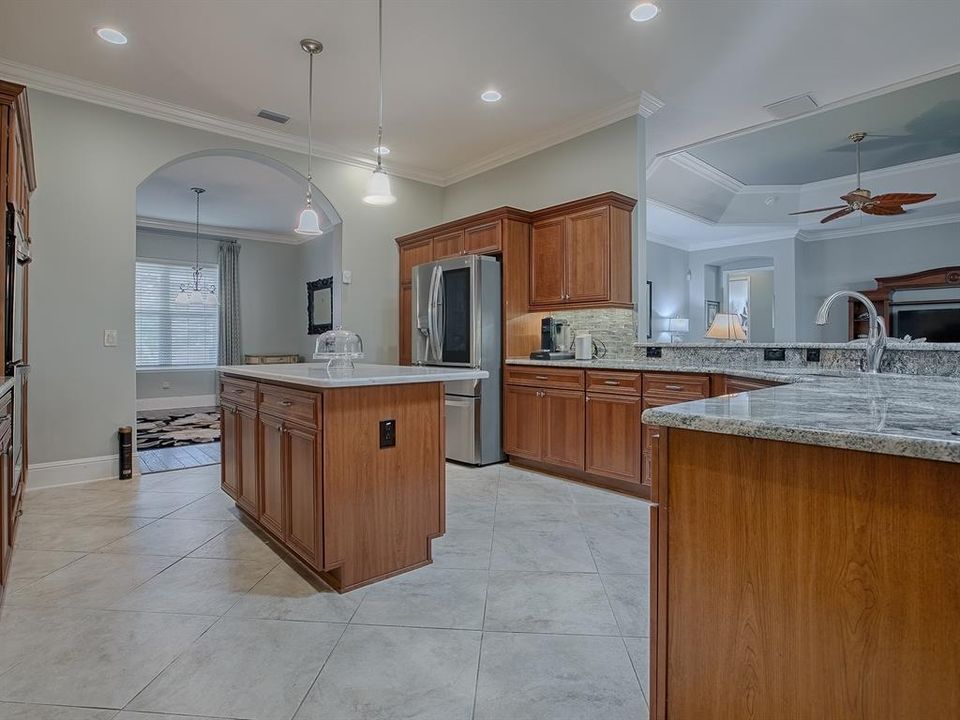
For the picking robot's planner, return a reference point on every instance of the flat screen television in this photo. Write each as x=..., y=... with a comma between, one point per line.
x=935, y=324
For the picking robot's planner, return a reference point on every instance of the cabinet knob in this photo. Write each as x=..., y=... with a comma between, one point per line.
x=286, y=403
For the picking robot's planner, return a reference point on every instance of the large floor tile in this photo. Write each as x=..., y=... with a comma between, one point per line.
x=461, y=487
x=169, y=537
x=470, y=514
x=238, y=542
x=518, y=486
x=94, y=581
x=196, y=585
x=134, y=715
x=30, y=565
x=548, y=603
x=618, y=550
x=71, y=500
x=103, y=660
x=513, y=515
x=194, y=480
x=533, y=677
x=429, y=597
x=149, y=504
x=283, y=594
x=29, y=711
x=455, y=471
x=583, y=494
x=639, y=650
x=215, y=506
x=464, y=549
x=389, y=673
x=243, y=668
x=630, y=519
x=630, y=597
x=80, y=534
x=563, y=551
x=24, y=629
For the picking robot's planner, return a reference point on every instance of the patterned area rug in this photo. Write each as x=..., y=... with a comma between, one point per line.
x=175, y=428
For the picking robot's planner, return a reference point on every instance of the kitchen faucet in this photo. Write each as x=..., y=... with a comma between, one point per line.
x=876, y=332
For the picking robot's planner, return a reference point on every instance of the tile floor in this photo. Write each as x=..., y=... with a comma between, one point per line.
x=148, y=600
x=178, y=458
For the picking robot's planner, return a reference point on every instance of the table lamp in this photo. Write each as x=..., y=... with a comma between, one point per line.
x=726, y=326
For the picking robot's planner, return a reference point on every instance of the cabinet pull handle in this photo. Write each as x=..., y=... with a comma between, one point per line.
x=674, y=387
x=19, y=512
x=611, y=382
x=286, y=403
x=543, y=377
x=237, y=391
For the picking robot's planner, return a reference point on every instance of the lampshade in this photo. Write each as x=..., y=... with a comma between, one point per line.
x=726, y=327
x=678, y=325
x=378, y=189
x=309, y=222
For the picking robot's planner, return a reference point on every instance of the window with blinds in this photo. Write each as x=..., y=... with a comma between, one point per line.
x=167, y=334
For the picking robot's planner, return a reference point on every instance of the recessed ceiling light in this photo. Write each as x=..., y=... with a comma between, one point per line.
x=490, y=96
x=112, y=36
x=644, y=11
x=383, y=150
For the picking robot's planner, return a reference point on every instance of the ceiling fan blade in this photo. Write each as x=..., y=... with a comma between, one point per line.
x=838, y=214
x=804, y=212
x=883, y=210
x=903, y=198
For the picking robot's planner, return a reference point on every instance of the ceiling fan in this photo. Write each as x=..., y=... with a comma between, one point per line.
x=860, y=199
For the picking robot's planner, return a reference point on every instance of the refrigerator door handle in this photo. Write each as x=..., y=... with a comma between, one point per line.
x=441, y=318
x=432, y=309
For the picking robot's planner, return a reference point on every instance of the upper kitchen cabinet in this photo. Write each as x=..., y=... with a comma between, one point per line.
x=17, y=177
x=581, y=255
x=448, y=245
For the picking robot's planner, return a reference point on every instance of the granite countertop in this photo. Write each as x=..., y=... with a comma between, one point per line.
x=905, y=415
x=316, y=375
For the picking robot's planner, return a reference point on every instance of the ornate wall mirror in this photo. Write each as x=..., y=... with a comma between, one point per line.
x=320, y=306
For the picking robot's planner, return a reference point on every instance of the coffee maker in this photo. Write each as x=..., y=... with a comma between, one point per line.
x=555, y=340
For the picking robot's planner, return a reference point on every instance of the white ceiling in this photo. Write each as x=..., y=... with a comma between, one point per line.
x=564, y=66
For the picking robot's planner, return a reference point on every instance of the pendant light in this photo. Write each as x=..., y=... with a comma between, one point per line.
x=309, y=223
x=378, y=184
x=198, y=294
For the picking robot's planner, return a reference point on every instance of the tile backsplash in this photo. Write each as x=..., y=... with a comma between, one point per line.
x=616, y=327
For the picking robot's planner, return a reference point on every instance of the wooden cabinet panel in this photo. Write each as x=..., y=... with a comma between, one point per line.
x=288, y=404
x=613, y=437
x=562, y=417
x=738, y=384
x=246, y=462
x=483, y=238
x=241, y=392
x=405, y=328
x=412, y=255
x=587, y=250
x=448, y=244
x=647, y=433
x=6, y=511
x=609, y=381
x=547, y=262
x=675, y=387
x=229, y=451
x=522, y=434
x=271, y=474
x=544, y=377
x=303, y=492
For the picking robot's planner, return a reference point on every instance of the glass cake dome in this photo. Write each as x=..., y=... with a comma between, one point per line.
x=339, y=348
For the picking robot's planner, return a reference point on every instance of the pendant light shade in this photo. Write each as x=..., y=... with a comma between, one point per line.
x=309, y=223
x=378, y=184
x=199, y=294
x=378, y=189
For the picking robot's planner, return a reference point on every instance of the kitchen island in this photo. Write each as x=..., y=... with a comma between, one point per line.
x=806, y=552
x=343, y=468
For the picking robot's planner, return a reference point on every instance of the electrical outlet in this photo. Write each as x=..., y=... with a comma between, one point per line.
x=813, y=354
x=654, y=352
x=779, y=354
x=388, y=433
x=109, y=338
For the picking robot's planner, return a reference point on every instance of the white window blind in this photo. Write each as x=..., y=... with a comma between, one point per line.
x=171, y=335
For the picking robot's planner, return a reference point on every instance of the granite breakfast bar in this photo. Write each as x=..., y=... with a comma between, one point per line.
x=805, y=547
x=343, y=468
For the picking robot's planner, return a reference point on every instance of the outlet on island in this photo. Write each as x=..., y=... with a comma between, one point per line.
x=388, y=433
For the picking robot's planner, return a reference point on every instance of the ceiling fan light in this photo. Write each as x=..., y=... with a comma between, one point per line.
x=378, y=189
x=309, y=223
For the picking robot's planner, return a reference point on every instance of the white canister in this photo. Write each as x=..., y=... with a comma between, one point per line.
x=583, y=347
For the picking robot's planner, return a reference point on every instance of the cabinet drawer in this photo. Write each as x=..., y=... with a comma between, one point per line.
x=739, y=384
x=289, y=404
x=679, y=387
x=538, y=376
x=626, y=383
x=241, y=392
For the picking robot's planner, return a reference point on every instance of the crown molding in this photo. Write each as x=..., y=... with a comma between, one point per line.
x=680, y=211
x=667, y=241
x=67, y=86
x=886, y=226
x=643, y=104
x=217, y=232
x=706, y=171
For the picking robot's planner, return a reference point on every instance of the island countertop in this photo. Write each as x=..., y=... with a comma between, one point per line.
x=316, y=375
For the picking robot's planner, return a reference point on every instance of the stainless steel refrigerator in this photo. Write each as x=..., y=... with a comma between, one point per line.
x=456, y=322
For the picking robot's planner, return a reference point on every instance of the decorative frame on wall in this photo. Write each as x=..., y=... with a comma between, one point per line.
x=713, y=307
x=320, y=306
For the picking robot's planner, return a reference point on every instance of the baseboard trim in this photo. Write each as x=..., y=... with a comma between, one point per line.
x=176, y=403
x=73, y=472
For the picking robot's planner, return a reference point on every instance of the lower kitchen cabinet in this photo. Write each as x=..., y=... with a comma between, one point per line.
x=248, y=492
x=523, y=436
x=562, y=420
x=230, y=455
x=613, y=437
x=271, y=500
x=302, y=466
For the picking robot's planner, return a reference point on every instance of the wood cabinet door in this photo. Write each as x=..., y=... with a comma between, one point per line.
x=562, y=418
x=646, y=437
x=6, y=518
x=522, y=434
x=247, y=466
x=613, y=444
x=483, y=238
x=547, y=262
x=406, y=325
x=587, y=251
x=229, y=452
x=448, y=245
x=271, y=474
x=301, y=530
x=412, y=255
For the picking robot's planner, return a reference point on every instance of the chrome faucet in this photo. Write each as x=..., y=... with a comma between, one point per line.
x=876, y=332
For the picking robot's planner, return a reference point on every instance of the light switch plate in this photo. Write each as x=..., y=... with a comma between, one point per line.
x=109, y=338
x=347, y=277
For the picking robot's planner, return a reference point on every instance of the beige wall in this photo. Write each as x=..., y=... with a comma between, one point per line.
x=90, y=160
